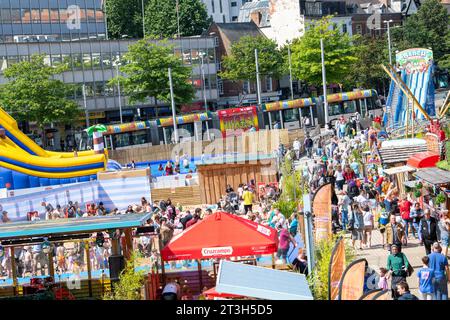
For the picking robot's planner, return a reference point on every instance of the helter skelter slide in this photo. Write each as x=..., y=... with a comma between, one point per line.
x=411, y=93
x=24, y=164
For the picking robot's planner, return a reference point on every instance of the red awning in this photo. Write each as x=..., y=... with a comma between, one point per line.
x=423, y=160
x=212, y=293
x=221, y=235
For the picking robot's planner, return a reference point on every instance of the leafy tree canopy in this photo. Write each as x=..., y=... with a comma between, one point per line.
x=124, y=17
x=32, y=93
x=339, y=53
x=240, y=65
x=161, y=18
x=428, y=28
x=145, y=66
x=370, y=53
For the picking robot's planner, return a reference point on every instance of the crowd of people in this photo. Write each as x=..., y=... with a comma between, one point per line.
x=367, y=199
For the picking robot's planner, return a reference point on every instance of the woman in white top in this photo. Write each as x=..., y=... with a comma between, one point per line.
x=340, y=180
x=368, y=226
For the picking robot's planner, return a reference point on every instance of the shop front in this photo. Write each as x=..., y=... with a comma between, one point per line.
x=289, y=114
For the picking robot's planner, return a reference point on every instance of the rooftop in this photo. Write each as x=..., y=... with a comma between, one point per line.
x=70, y=226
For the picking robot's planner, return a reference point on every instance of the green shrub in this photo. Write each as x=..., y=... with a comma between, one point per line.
x=130, y=282
x=318, y=279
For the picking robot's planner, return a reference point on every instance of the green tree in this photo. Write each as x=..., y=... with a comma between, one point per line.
x=32, y=93
x=240, y=65
x=318, y=279
x=145, y=66
x=427, y=28
x=339, y=53
x=294, y=186
x=130, y=282
x=161, y=18
x=370, y=53
x=124, y=17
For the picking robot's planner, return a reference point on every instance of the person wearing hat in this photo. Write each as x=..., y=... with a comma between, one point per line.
x=247, y=196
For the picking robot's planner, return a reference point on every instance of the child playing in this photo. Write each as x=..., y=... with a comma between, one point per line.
x=426, y=276
x=383, y=283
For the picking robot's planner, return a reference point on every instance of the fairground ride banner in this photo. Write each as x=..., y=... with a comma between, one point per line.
x=414, y=60
x=235, y=121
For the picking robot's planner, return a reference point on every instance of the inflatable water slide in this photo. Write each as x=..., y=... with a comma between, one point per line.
x=24, y=164
x=416, y=67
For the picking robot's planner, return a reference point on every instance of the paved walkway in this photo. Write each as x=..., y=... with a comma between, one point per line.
x=376, y=256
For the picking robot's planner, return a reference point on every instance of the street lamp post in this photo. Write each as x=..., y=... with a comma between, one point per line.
x=143, y=16
x=172, y=99
x=118, y=88
x=258, y=83
x=290, y=73
x=324, y=82
x=204, y=96
x=85, y=106
x=389, y=40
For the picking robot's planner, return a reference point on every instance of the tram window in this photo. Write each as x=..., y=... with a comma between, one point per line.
x=350, y=106
x=140, y=137
x=335, y=109
x=122, y=140
x=290, y=115
x=373, y=104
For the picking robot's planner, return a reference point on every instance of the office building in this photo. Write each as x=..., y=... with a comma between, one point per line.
x=224, y=11
x=51, y=20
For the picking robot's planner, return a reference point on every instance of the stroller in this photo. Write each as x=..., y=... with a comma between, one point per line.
x=231, y=203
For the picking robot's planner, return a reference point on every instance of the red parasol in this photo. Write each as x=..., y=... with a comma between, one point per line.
x=221, y=235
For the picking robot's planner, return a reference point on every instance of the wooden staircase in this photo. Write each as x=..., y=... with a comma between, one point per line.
x=186, y=196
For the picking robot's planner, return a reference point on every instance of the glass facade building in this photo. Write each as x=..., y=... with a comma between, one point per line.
x=92, y=63
x=51, y=20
